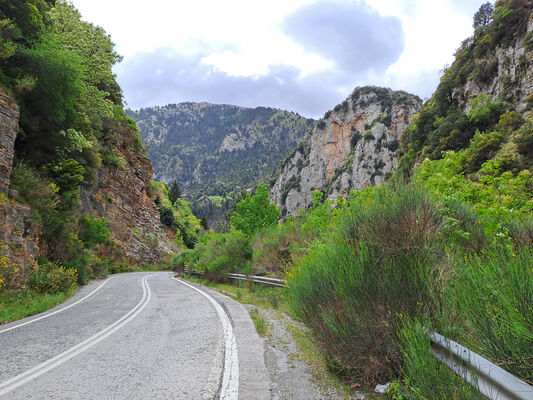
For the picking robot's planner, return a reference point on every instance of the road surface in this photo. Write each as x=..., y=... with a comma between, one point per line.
x=131, y=336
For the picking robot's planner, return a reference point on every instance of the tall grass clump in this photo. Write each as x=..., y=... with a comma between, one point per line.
x=383, y=260
x=492, y=295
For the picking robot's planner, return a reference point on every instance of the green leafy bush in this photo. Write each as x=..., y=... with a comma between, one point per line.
x=52, y=277
x=254, y=213
x=222, y=253
x=93, y=231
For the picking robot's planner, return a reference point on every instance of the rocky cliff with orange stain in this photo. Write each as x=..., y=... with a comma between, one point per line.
x=353, y=146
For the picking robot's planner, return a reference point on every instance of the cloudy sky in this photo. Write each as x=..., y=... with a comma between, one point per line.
x=300, y=55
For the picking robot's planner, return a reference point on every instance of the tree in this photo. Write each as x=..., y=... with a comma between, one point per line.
x=254, y=213
x=483, y=16
x=174, y=192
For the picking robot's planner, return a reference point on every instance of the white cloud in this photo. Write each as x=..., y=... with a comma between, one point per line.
x=249, y=43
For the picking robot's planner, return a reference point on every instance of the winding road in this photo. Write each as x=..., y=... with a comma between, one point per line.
x=132, y=336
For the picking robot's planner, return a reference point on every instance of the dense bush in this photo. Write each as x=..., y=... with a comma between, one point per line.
x=94, y=231
x=381, y=262
x=222, y=253
x=254, y=213
x=277, y=246
x=52, y=277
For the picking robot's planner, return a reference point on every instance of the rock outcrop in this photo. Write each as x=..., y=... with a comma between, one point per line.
x=512, y=68
x=120, y=196
x=19, y=235
x=353, y=146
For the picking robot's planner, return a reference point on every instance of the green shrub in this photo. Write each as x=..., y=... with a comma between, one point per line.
x=112, y=159
x=94, y=231
x=52, y=278
x=67, y=174
x=185, y=260
x=254, y=213
x=274, y=248
x=381, y=262
x=223, y=253
x=34, y=188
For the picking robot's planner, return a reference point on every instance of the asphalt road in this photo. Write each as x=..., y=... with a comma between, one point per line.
x=136, y=336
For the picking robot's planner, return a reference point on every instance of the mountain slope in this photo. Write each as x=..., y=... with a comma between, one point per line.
x=213, y=149
x=353, y=146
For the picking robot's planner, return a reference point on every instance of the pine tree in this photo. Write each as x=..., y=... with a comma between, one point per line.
x=174, y=192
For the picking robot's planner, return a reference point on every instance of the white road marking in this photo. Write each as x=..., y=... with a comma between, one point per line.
x=57, y=311
x=230, y=377
x=46, y=366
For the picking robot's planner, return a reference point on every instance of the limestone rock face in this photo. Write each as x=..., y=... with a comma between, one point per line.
x=513, y=79
x=9, y=117
x=19, y=235
x=120, y=196
x=355, y=145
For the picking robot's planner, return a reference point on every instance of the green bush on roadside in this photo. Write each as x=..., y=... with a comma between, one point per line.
x=382, y=261
x=52, y=277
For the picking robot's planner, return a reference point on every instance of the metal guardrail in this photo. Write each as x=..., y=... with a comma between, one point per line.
x=492, y=381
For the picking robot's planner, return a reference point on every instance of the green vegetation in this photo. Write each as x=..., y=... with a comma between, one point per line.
x=17, y=305
x=259, y=322
x=73, y=131
x=176, y=214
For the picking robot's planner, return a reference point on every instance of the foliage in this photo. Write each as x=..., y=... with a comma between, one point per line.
x=94, y=231
x=254, y=213
x=52, y=277
x=174, y=192
x=277, y=246
x=221, y=253
x=177, y=215
x=483, y=16
x=497, y=197
x=424, y=376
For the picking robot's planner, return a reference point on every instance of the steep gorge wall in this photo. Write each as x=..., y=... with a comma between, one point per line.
x=354, y=146
x=19, y=235
x=120, y=195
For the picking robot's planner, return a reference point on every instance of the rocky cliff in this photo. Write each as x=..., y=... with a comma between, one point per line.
x=19, y=235
x=353, y=146
x=502, y=68
x=120, y=196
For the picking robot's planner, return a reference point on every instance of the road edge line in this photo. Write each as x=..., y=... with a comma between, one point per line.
x=230, y=377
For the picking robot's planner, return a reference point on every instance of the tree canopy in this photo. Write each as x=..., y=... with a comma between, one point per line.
x=254, y=213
